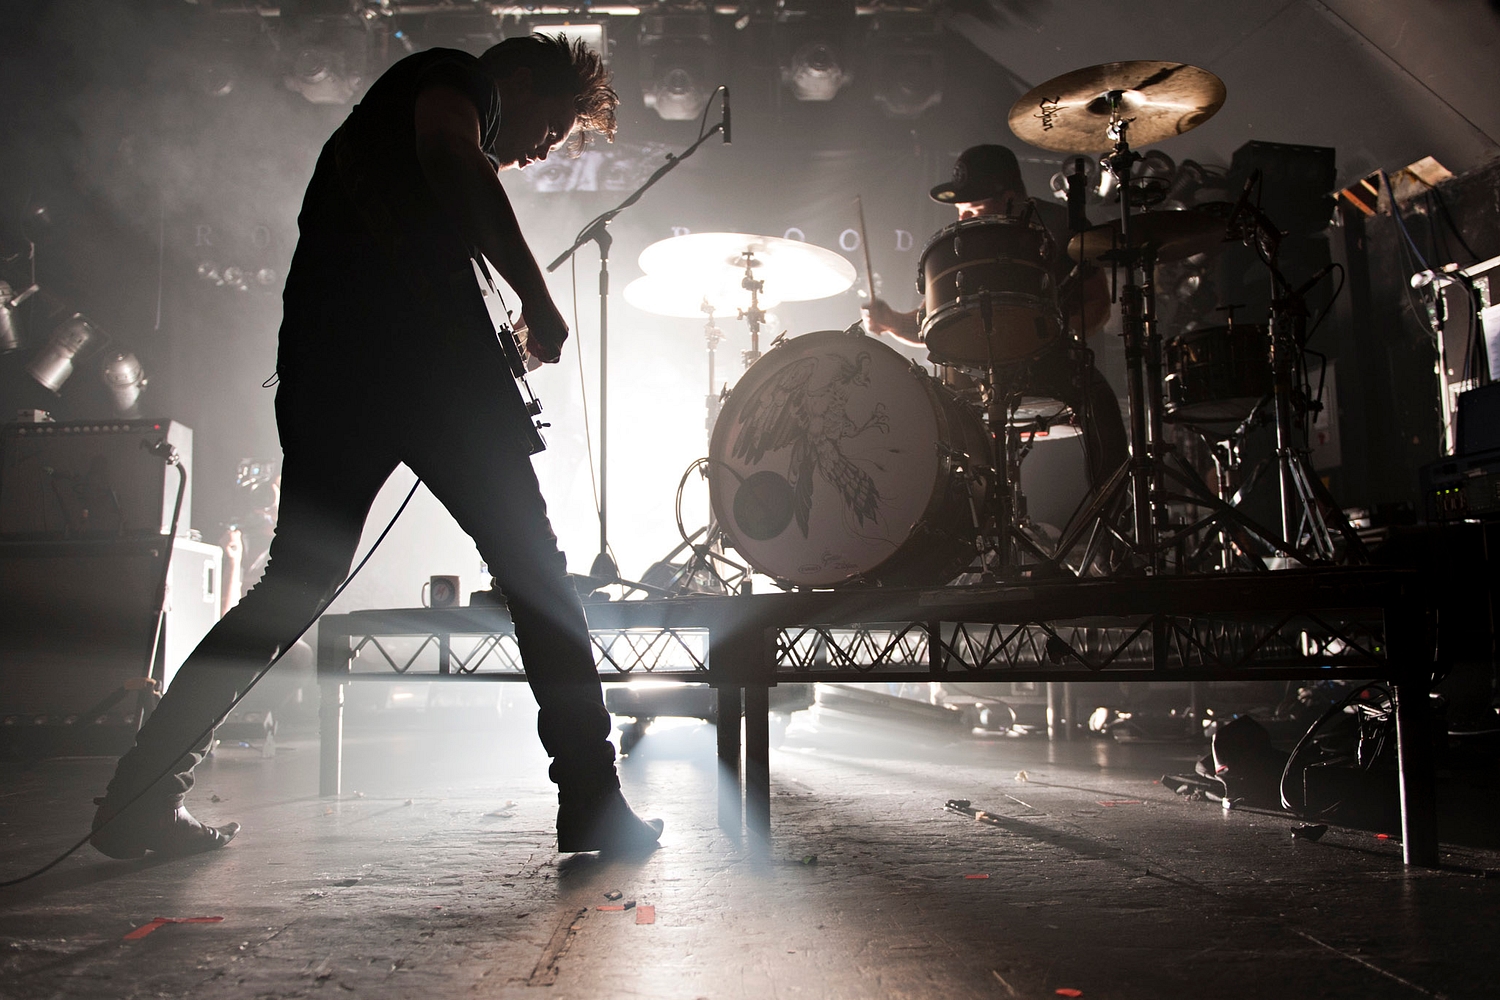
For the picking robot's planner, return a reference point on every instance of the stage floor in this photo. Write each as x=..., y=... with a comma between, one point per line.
x=434, y=875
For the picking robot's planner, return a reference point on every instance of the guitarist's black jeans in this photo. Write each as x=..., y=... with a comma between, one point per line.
x=445, y=406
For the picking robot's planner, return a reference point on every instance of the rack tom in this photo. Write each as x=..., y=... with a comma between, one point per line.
x=1008, y=262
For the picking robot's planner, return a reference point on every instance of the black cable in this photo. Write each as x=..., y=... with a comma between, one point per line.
x=160, y=597
x=204, y=736
x=1442, y=205
x=696, y=464
x=706, y=105
x=1333, y=711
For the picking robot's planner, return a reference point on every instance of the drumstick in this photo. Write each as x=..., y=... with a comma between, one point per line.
x=864, y=243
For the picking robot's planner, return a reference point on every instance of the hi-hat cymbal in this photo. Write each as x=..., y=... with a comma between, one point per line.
x=793, y=271
x=689, y=297
x=1071, y=113
x=1170, y=235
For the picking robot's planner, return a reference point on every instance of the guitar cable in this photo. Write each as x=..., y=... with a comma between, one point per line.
x=207, y=733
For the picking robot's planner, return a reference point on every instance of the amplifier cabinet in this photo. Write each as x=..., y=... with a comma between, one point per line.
x=91, y=479
x=76, y=623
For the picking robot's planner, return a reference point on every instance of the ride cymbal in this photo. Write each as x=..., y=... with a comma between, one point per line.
x=793, y=271
x=1071, y=113
x=690, y=297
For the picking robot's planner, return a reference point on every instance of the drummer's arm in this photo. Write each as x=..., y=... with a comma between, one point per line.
x=880, y=318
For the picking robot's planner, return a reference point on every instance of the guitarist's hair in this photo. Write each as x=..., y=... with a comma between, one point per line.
x=560, y=67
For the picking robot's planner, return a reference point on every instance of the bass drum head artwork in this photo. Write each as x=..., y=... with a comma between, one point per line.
x=825, y=459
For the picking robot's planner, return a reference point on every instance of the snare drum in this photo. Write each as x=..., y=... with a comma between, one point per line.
x=1010, y=259
x=837, y=460
x=1039, y=417
x=1217, y=374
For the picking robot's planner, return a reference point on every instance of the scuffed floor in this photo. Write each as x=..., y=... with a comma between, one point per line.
x=434, y=876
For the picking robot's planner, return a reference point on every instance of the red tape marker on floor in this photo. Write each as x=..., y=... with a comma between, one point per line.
x=145, y=929
x=645, y=914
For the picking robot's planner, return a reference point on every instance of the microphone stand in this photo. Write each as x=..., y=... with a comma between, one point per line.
x=597, y=231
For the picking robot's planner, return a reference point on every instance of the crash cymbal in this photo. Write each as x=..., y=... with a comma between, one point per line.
x=1071, y=113
x=793, y=271
x=1172, y=235
x=690, y=297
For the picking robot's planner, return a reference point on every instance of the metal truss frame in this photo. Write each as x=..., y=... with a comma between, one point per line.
x=625, y=651
x=1365, y=623
x=1302, y=641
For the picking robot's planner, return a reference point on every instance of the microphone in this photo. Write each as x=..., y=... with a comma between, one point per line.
x=1078, y=220
x=1240, y=207
x=725, y=107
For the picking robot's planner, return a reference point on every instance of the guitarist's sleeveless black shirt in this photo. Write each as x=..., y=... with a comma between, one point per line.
x=370, y=227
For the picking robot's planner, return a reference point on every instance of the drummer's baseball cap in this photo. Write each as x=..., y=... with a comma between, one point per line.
x=981, y=172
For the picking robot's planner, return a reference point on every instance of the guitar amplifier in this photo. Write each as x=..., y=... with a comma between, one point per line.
x=91, y=480
x=78, y=618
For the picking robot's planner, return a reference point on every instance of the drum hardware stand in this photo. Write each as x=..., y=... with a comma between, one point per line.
x=708, y=553
x=1308, y=509
x=1006, y=503
x=755, y=315
x=1143, y=476
x=597, y=231
x=712, y=337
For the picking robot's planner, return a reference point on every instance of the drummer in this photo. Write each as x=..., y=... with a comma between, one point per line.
x=987, y=183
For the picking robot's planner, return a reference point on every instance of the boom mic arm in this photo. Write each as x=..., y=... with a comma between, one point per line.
x=725, y=123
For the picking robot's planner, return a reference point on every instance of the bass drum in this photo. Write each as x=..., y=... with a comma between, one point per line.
x=836, y=460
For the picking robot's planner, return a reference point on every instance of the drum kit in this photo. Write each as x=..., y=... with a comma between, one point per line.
x=837, y=461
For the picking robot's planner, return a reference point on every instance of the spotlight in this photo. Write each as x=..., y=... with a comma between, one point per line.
x=72, y=339
x=815, y=71
x=906, y=60
x=234, y=277
x=10, y=322
x=326, y=54
x=125, y=379
x=322, y=76
x=675, y=50
x=591, y=34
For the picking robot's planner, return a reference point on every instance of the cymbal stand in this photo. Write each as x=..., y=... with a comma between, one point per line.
x=1005, y=503
x=1143, y=478
x=1308, y=509
x=712, y=337
x=708, y=561
x=755, y=316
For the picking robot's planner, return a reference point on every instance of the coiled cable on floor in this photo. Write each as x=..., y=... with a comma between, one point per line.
x=204, y=736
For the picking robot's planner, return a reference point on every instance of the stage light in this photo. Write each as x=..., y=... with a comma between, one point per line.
x=591, y=33
x=814, y=44
x=675, y=52
x=815, y=71
x=323, y=76
x=123, y=376
x=906, y=62
x=72, y=340
x=10, y=321
x=325, y=52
